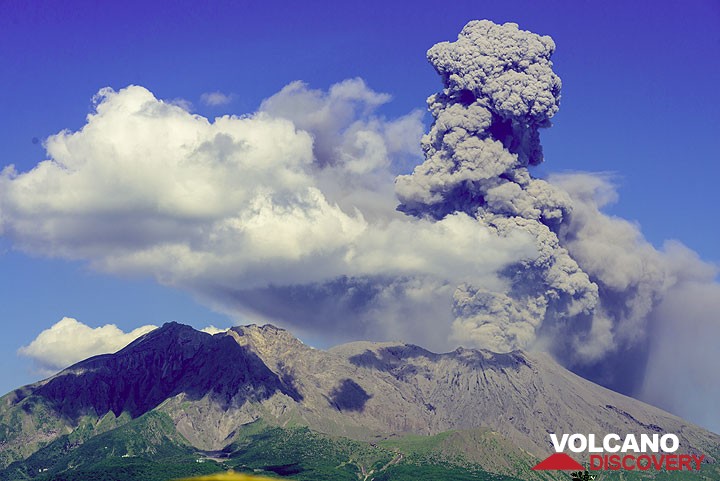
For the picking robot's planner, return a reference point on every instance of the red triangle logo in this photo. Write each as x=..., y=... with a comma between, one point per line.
x=559, y=461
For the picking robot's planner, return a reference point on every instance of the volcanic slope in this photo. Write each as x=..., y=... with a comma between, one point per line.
x=207, y=396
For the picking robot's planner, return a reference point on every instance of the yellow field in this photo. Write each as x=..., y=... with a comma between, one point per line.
x=229, y=476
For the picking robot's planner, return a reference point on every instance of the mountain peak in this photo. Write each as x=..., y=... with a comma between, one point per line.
x=172, y=360
x=267, y=327
x=168, y=330
x=211, y=386
x=266, y=339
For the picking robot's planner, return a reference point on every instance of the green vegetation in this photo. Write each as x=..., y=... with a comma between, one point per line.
x=150, y=449
x=304, y=455
x=140, y=469
x=143, y=449
x=434, y=472
x=26, y=425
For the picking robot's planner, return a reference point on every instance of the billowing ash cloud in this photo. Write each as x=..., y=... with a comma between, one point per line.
x=288, y=215
x=598, y=295
x=499, y=91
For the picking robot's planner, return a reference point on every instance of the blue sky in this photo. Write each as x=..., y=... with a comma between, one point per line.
x=639, y=101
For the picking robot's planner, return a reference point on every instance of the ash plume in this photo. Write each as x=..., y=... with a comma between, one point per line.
x=594, y=294
x=499, y=91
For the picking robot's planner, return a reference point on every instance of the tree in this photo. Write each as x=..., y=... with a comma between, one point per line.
x=582, y=476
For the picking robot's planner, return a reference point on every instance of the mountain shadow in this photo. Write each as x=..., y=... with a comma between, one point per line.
x=349, y=396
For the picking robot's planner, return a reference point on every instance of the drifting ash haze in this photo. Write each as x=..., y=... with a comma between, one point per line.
x=289, y=215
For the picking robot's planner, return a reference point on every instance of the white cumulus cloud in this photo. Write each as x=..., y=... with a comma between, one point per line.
x=285, y=215
x=69, y=341
x=215, y=99
x=213, y=330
